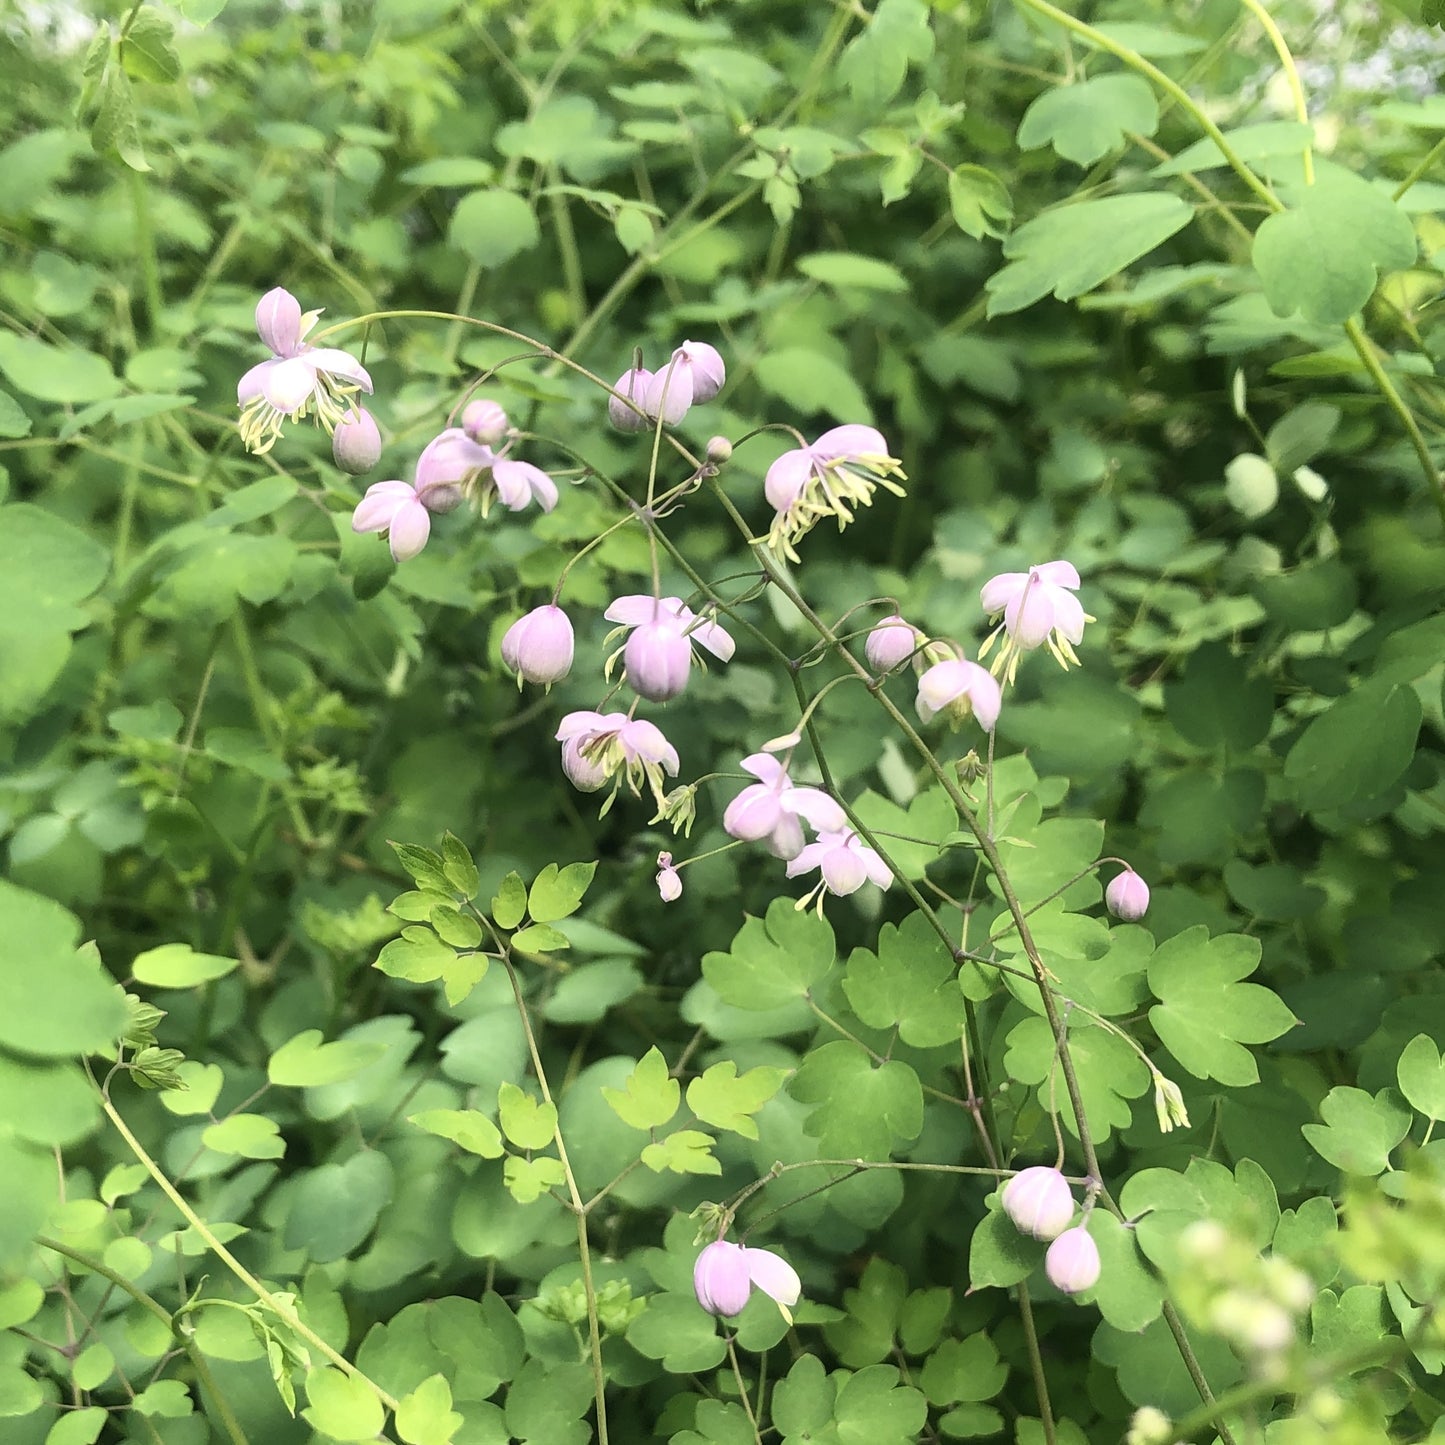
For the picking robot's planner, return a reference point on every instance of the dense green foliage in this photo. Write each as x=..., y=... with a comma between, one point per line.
x=415, y=1103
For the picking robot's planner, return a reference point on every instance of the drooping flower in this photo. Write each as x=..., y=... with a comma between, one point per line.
x=891, y=643
x=453, y=463
x=844, y=864
x=399, y=510
x=296, y=378
x=669, y=881
x=1127, y=896
x=1038, y=607
x=485, y=422
x=758, y=812
x=959, y=689
x=538, y=647
x=356, y=442
x=659, y=651
x=1169, y=1106
x=1072, y=1262
x=831, y=477
x=725, y=1274
x=632, y=386
x=1039, y=1202
x=598, y=746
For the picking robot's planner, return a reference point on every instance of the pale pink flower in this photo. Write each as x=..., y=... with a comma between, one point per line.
x=669, y=881
x=831, y=477
x=725, y=1274
x=632, y=386
x=959, y=689
x=356, y=442
x=891, y=643
x=397, y=509
x=758, y=812
x=597, y=746
x=844, y=864
x=452, y=463
x=538, y=647
x=1072, y=1262
x=659, y=651
x=1039, y=1202
x=296, y=378
x=1038, y=607
x=1127, y=896
x=485, y=422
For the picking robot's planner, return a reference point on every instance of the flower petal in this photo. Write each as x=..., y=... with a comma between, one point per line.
x=380, y=504
x=278, y=321
x=332, y=362
x=253, y=383
x=288, y=383
x=851, y=440
x=999, y=591
x=634, y=609
x=1059, y=574
x=410, y=528
x=787, y=478
x=773, y=1275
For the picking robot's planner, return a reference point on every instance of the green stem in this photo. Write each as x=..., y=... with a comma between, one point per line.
x=1291, y=73
x=279, y=1307
x=1036, y=1364
x=743, y=1391
x=145, y=246
x=1431, y=156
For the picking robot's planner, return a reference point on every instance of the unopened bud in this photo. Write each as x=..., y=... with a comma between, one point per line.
x=1039, y=1202
x=1072, y=1263
x=356, y=442
x=719, y=450
x=485, y=422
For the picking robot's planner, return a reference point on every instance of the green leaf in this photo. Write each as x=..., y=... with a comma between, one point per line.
x=1422, y=1077
x=1071, y=249
x=687, y=1151
x=977, y=198
x=450, y=171
x=1262, y=141
x=509, y=906
x=1359, y=1130
x=51, y=1104
x=809, y=381
x=1128, y=1294
x=13, y=420
x=1204, y=1015
x=844, y=269
x=1163, y=1203
x=558, y=893
x=334, y=1208
x=963, y=1370
x=674, y=1329
x=875, y=1409
x=146, y=50
x=529, y=1123
x=527, y=1180
x=455, y=928
x=773, y=961
x=1357, y=749
x=342, y=1407
x=649, y=1098
x=929, y=819
x=869, y=1332
x=115, y=127
x=177, y=965
x=1217, y=704
x=426, y=867
x=861, y=1110
x=722, y=1098
x=1085, y=121
x=1109, y=1072
x=55, y=1000
x=473, y=1131
x=540, y=938
x=418, y=956
x=876, y=62
x=305, y=1062
x=1300, y=435
x=202, y=1088
x=491, y=226
x=78, y=1427
x=425, y=1416
x=1323, y=256
x=457, y=864
x=253, y=1136
x=909, y=984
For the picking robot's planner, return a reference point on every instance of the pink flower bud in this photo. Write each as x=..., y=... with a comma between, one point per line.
x=633, y=385
x=725, y=1274
x=1127, y=896
x=538, y=647
x=706, y=365
x=890, y=644
x=356, y=442
x=658, y=658
x=1072, y=1263
x=669, y=881
x=1039, y=1202
x=485, y=422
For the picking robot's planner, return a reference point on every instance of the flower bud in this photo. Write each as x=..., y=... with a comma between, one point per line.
x=720, y=1278
x=356, y=442
x=485, y=422
x=1072, y=1263
x=658, y=658
x=1127, y=896
x=705, y=364
x=538, y=647
x=1039, y=1202
x=890, y=644
x=719, y=450
x=634, y=386
x=669, y=882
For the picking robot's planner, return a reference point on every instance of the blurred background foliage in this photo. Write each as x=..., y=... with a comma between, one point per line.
x=218, y=705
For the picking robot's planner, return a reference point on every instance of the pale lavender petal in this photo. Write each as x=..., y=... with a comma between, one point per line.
x=717, y=641
x=878, y=871
x=764, y=766
x=720, y=1278
x=288, y=383
x=410, y=528
x=669, y=393
x=520, y=482
x=1069, y=615
x=575, y=724
x=843, y=870
x=253, y=383
x=706, y=364
x=999, y=591
x=773, y=1275
x=986, y=696
x=449, y=459
x=380, y=504
x=787, y=478
x=786, y=840
x=811, y=856
x=634, y=609
x=341, y=364
x=852, y=440
x=817, y=807
x=753, y=814
x=633, y=385
x=278, y=321
x=1029, y=618
x=646, y=742
x=1059, y=574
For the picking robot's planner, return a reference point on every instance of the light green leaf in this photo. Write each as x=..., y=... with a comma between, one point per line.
x=967, y=1369
x=203, y=1087
x=55, y=373
x=1205, y=1016
x=1359, y=1130
x=460, y=869
x=425, y=1416
x=177, y=965
x=909, y=984
x=843, y=269
x=529, y=1123
x=977, y=198
x=772, y=962
x=491, y=226
x=305, y=1062
x=1323, y=256
x=558, y=893
x=1357, y=749
x=147, y=51
x=650, y=1097
x=509, y=906
x=1072, y=248
x=1085, y=121
x=418, y=956
x=253, y=1136
x=540, y=938
x=527, y=1180
x=810, y=382
x=1109, y=1072
x=472, y=1130
x=1257, y=142
x=344, y=1408
x=334, y=1207
x=687, y=1151
x=1422, y=1077
x=723, y=1098
x=876, y=62
x=860, y=1110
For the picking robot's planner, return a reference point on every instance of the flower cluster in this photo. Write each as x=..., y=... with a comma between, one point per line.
x=1040, y=1203
x=694, y=373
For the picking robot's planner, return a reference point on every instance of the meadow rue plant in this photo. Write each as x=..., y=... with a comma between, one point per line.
x=288, y=790
x=297, y=378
